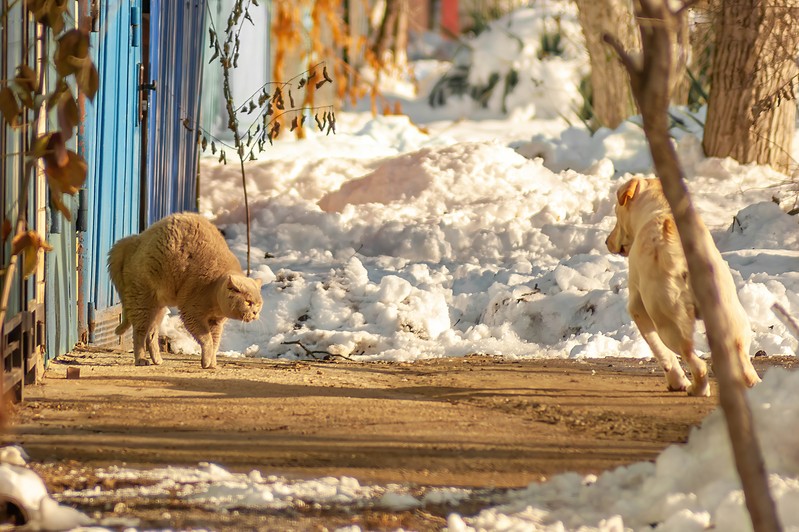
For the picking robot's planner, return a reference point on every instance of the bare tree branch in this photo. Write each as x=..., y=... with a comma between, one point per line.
x=629, y=63
x=786, y=319
x=312, y=353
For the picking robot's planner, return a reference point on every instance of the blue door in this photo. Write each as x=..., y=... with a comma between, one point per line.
x=177, y=41
x=111, y=209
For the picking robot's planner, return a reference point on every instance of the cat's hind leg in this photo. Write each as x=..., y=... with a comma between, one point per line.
x=200, y=329
x=141, y=311
x=152, y=336
x=138, y=348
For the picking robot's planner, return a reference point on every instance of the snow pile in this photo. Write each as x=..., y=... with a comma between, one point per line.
x=23, y=489
x=455, y=247
x=690, y=488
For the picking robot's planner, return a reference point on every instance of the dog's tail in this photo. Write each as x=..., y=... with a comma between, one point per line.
x=117, y=257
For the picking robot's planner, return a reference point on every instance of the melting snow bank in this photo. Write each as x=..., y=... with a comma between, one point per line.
x=25, y=497
x=691, y=487
x=472, y=248
x=215, y=489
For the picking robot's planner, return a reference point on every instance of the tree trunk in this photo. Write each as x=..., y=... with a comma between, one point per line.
x=401, y=38
x=702, y=36
x=751, y=114
x=610, y=88
x=680, y=44
x=649, y=78
x=385, y=34
x=390, y=46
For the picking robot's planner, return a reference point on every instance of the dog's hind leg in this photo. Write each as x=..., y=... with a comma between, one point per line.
x=700, y=387
x=749, y=372
x=681, y=340
x=675, y=376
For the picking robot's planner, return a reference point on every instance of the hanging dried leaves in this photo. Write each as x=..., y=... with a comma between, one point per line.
x=26, y=84
x=28, y=245
x=9, y=107
x=65, y=169
x=68, y=114
x=72, y=58
x=49, y=12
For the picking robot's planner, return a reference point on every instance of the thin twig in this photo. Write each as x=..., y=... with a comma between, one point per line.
x=313, y=353
x=786, y=319
x=624, y=57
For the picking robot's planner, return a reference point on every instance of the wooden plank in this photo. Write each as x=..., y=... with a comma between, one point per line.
x=12, y=382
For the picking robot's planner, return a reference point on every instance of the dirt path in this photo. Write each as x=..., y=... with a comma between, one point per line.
x=474, y=421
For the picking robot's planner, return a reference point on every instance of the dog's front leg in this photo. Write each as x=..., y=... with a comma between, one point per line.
x=675, y=376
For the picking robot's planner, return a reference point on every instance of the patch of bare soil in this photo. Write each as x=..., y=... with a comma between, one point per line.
x=476, y=421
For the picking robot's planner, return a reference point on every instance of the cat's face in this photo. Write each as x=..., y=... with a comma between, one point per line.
x=242, y=298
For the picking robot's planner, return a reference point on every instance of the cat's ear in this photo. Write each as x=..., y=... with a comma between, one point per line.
x=232, y=284
x=259, y=282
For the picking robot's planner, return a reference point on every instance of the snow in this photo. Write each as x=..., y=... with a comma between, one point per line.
x=460, y=229
x=433, y=246
x=24, y=489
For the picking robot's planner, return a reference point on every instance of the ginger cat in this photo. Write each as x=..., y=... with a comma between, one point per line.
x=182, y=260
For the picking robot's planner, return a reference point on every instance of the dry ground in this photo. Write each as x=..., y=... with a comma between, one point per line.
x=475, y=421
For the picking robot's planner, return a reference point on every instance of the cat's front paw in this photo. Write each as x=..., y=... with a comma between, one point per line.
x=209, y=362
x=143, y=362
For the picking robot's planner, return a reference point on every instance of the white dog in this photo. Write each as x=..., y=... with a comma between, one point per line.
x=661, y=301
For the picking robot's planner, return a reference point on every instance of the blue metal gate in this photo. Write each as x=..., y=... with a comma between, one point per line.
x=111, y=209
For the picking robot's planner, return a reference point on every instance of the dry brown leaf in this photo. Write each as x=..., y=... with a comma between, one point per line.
x=6, y=229
x=68, y=114
x=57, y=199
x=56, y=153
x=28, y=244
x=49, y=12
x=39, y=147
x=68, y=178
x=88, y=80
x=26, y=83
x=72, y=53
x=9, y=107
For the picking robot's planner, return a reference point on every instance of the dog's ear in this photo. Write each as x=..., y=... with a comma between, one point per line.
x=628, y=191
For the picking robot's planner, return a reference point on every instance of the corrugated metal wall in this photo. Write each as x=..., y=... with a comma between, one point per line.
x=60, y=292
x=177, y=41
x=112, y=137
x=22, y=338
x=15, y=34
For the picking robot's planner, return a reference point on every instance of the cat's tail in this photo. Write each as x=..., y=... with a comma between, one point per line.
x=117, y=257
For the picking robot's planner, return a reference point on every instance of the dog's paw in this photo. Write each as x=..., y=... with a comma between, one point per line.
x=751, y=378
x=676, y=380
x=699, y=390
